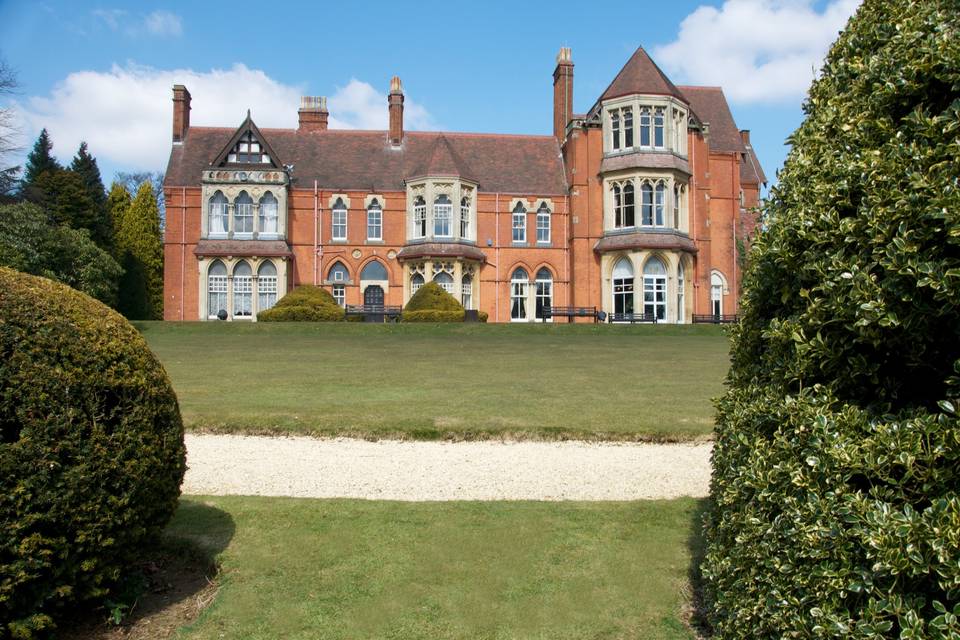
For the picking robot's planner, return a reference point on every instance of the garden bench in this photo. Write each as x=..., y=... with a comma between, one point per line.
x=374, y=312
x=570, y=313
x=632, y=317
x=715, y=319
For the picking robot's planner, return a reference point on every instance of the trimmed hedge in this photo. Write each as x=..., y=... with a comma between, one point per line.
x=306, y=303
x=432, y=315
x=91, y=450
x=431, y=303
x=835, y=509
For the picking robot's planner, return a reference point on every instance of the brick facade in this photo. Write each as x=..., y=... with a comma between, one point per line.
x=647, y=198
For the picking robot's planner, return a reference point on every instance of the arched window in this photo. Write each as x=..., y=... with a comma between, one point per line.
x=519, y=284
x=716, y=294
x=623, y=286
x=416, y=282
x=374, y=271
x=519, y=223
x=465, y=218
x=374, y=221
x=645, y=127
x=544, y=294
x=655, y=288
x=676, y=206
x=646, y=204
x=681, y=286
x=419, y=217
x=243, y=214
x=338, y=273
x=615, y=129
x=660, y=194
x=269, y=214
x=617, y=206
x=217, y=217
x=442, y=214
x=466, y=292
x=445, y=280
x=339, y=225
x=627, y=128
x=628, y=205
x=543, y=224
x=242, y=290
x=266, y=286
x=658, y=127
x=216, y=290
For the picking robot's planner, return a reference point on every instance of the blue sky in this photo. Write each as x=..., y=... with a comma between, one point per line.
x=102, y=72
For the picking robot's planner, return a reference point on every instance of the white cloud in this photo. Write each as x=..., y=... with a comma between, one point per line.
x=757, y=50
x=163, y=23
x=125, y=114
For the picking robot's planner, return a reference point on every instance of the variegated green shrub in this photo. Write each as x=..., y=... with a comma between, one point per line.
x=835, y=509
x=91, y=450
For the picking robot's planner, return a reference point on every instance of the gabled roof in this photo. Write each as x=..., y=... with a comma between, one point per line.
x=711, y=108
x=364, y=160
x=641, y=75
x=750, y=169
x=442, y=160
x=247, y=126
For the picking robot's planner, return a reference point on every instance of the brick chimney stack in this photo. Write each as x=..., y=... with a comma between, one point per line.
x=745, y=136
x=562, y=93
x=313, y=114
x=181, y=112
x=395, y=101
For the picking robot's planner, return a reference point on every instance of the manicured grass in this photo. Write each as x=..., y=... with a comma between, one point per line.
x=445, y=381
x=326, y=569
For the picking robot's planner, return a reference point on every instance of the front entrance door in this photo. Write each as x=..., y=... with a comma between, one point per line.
x=373, y=295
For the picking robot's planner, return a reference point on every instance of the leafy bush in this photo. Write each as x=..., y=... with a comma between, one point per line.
x=91, y=450
x=835, y=510
x=482, y=316
x=431, y=303
x=432, y=296
x=306, y=303
x=432, y=315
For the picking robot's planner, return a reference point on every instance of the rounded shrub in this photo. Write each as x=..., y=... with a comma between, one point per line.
x=834, y=500
x=91, y=450
x=431, y=303
x=306, y=303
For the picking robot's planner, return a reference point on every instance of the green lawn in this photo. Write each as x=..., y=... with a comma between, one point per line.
x=445, y=381
x=325, y=569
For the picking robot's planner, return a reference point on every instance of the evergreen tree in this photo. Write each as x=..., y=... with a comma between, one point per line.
x=39, y=161
x=118, y=203
x=63, y=195
x=140, y=246
x=85, y=166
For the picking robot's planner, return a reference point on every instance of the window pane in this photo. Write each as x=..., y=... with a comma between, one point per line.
x=628, y=206
x=627, y=128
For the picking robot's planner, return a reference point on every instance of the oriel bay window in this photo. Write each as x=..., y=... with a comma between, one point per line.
x=243, y=215
x=464, y=218
x=419, y=217
x=442, y=215
x=218, y=218
x=615, y=129
x=268, y=215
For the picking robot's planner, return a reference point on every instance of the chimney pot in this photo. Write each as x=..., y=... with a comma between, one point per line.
x=745, y=136
x=562, y=93
x=395, y=104
x=313, y=113
x=181, y=112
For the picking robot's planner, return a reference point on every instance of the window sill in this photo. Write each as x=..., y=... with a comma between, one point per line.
x=544, y=243
x=373, y=241
x=519, y=243
x=338, y=241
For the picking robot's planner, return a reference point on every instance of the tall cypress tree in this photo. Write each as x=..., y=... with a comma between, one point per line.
x=141, y=248
x=39, y=161
x=118, y=203
x=101, y=227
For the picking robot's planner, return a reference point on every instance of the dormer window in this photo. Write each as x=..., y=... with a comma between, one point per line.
x=248, y=151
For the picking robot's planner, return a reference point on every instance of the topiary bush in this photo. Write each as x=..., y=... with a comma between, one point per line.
x=306, y=303
x=91, y=450
x=834, y=508
x=431, y=303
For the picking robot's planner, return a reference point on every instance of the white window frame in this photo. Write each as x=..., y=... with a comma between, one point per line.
x=338, y=223
x=445, y=280
x=442, y=218
x=374, y=221
x=218, y=212
x=466, y=292
x=242, y=293
x=519, y=224
x=243, y=216
x=615, y=129
x=339, y=292
x=266, y=289
x=419, y=218
x=269, y=213
x=543, y=296
x=655, y=291
x=543, y=224
x=519, y=288
x=659, y=128
x=414, y=284
x=217, y=286
x=465, y=218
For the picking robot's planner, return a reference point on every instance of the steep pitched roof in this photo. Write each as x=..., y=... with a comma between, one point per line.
x=750, y=169
x=442, y=160
x=641, y=75
x=247, y=126
x=710, y=106
x=342, y=159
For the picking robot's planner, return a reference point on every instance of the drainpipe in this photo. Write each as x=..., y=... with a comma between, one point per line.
x=692, y=200
x=183, y=242
x=566, y=248
x=496, y=239
x=316, y=231
x=734, y=197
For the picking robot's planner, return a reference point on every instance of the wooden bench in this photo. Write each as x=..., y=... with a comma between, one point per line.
x=715, y=319
x=374, y=312
x=632, y=317
x=570, y=313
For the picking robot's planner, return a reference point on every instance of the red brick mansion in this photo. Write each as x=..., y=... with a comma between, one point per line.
x=640, y=205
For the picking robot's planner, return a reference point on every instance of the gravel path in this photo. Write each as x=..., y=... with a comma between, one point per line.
x=420, y=471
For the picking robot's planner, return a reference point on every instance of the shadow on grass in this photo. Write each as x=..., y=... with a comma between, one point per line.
x=696, y=544
x=170, y=584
